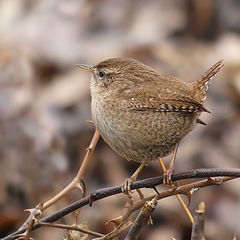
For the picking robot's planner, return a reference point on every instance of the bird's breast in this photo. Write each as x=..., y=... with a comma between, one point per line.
x=138, y=135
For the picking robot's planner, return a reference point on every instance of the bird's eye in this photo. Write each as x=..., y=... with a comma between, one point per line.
x=101, y=74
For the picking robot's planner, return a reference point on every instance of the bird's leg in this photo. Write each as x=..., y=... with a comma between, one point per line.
x=126, y=187
x=167, y=175
x=178, y=195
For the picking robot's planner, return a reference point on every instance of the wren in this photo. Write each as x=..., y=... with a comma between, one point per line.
x=143, y=114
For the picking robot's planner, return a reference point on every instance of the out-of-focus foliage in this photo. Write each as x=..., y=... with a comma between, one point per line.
x=45, y=102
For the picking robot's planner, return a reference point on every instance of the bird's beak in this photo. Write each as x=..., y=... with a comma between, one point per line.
x=85, y=66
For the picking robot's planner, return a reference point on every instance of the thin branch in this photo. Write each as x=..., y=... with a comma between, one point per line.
x=67, y=227
x=146, y=183
x=29, y=222
x=180, y=189
x=76, y=181
x=84, y=190
x=72, y=185
x=122, y=227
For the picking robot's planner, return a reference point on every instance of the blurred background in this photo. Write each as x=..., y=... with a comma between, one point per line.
x=45, y=102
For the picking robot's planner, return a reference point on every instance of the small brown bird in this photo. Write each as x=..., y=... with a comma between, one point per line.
x=143, y=114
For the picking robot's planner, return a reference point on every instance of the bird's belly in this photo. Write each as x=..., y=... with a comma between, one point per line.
x=142, y=135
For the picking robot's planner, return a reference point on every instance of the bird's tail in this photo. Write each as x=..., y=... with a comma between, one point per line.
x=201, y=86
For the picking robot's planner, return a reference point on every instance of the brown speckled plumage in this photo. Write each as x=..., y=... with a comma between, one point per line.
x=141, y=113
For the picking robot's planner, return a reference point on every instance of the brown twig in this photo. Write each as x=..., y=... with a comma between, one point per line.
x=29, y=222
x=143, y=219
x=74, y=184
x=67, y=227
x=76, y=181
x=146, y=183
x=123, y=226
x=170, y=192
x=84, y=189
x=198, y=226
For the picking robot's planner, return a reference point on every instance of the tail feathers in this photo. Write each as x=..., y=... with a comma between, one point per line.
x=201, y=86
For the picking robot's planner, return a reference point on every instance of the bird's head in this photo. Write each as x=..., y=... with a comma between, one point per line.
x=114, y=71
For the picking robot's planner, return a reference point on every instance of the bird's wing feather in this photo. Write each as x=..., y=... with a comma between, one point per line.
x=165, y=100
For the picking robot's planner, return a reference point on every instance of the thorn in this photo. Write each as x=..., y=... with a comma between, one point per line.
x=116, y=221
x=215, y=180
x=155, y=189
x=35, y=210
x=84, y=187
x=140, y=193
x=150, y=221
x=28, y=210
x=39, y=207
x=189, y=197
x=129, y=199
x=78, y=185
x=90, y=148
x=20, y=236
x=91, y=198
x=90, y=121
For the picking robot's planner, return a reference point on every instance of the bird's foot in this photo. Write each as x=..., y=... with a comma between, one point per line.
x=126, y=189
x=167, y=177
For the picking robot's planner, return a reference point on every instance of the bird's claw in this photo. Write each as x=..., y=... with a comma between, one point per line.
x=167, y=177
x=126, y=187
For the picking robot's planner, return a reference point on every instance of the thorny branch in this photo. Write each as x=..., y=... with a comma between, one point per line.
x=123, y=226
x=72, y=185
x=76, y=181
x=75, y=228
x=146, y=183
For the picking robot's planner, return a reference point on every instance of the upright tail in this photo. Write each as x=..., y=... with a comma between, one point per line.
x=201, y=86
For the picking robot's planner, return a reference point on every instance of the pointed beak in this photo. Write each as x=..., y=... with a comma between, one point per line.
x=85, y=66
